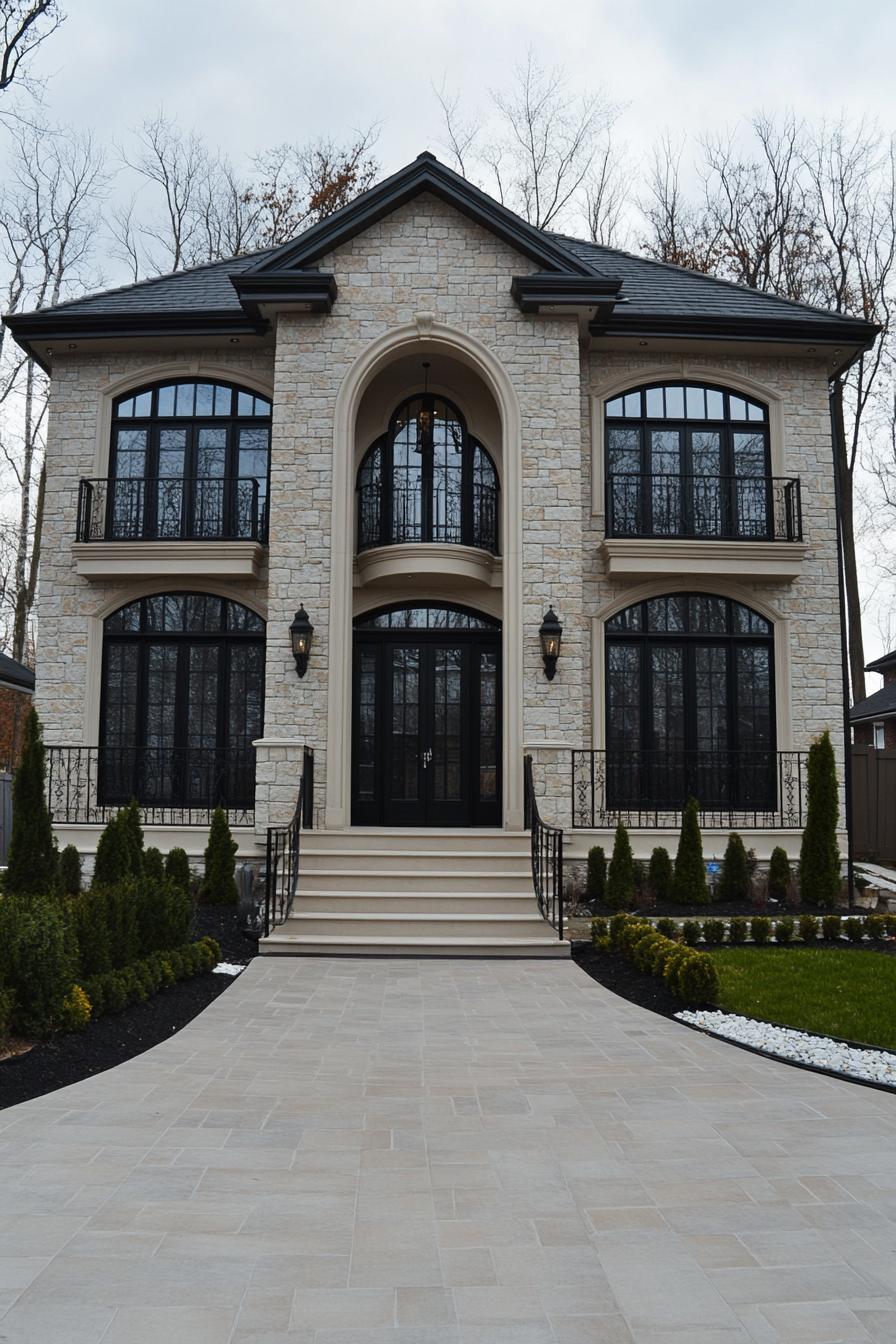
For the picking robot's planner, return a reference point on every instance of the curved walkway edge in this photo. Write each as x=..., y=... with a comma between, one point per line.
x=446, y=1152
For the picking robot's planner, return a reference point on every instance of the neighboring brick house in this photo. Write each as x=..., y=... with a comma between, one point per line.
x=874, y=718
x=16, y=691
x=432, y=426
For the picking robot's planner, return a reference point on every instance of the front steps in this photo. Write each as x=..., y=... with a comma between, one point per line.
x=415, y=893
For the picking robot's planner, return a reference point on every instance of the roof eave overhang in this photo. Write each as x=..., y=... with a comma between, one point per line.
x=877, y=717
x=38, y=333
x=849, y=338
x=306, y=291
x=550, y=292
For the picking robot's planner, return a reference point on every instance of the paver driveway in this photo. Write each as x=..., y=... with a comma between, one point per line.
x=446, y=1152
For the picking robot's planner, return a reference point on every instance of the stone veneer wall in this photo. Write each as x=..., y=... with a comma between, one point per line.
x=424, y=258
x=65, y=599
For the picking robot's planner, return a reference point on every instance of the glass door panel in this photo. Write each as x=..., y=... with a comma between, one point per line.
x=665, y=488
x=667, y=763
x=208, y=500
x=201, y=728
x=489, y=727
x=707, y=489
x=448, y=744
x=170, y=486
x=404, y=747
x=752, y=501
x=127, y=511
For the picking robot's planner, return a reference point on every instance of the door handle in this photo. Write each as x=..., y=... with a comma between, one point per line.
x=427, y=757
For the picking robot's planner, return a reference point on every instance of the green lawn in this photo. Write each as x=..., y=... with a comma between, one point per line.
x=829, y=990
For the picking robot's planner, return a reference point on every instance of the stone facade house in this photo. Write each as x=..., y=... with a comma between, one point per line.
x=441, y=433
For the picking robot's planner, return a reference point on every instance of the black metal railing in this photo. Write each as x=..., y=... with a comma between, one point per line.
x=174, y=786
x=721, y=508
x=547, y=855
x=173, y=508
x=445, y=518
x=734, y=789
x=284, y=847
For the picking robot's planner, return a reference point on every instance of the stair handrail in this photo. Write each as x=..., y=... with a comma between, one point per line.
x=546, y=846
x=284, y=847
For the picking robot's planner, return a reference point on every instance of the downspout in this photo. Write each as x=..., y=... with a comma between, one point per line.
x=838, y=444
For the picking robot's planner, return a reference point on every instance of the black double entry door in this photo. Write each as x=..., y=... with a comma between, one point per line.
x=426, y=730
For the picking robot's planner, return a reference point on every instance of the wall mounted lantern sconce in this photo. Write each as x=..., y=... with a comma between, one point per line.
x=550, y=634
x=301, y=633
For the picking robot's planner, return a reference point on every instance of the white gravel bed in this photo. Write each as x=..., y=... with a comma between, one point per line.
x=228, y=968
x=875, y=1066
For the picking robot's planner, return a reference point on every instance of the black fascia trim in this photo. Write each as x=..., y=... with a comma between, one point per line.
x=424, y=174
x=532, y=291
x=316, y=288
x=28, y=328
x=821, y=331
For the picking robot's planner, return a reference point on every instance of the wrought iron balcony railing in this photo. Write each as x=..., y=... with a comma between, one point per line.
x=173, y=508
x=174, y=786
x=734, y=789
x=403, y=514
x=721, y=508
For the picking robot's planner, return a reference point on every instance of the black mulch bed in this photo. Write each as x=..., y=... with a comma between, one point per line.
x=120, y=1036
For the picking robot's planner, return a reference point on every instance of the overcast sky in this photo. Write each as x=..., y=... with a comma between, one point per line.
x=248, y=74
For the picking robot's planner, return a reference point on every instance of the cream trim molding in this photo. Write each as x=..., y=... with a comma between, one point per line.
x=444, y=566
x=424, y=335
x=699, y=584
x=168, y=559
x=603, y=391
x=760, y=561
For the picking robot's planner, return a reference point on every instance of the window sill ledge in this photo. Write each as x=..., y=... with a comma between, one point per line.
x=163, y=559
x=442, y=563
x=657, y=557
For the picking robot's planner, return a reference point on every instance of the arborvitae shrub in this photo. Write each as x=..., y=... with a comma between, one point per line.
x=784, y=930
x=177, y=867
x=620, y=892
x=660, y=877
x=734, y=884
x=808, y=927
x=164, y=915
x=153, y=864
x=70, y=871
x=219, y=884
x=819, y=854
x=113, y=862
x=667, y=927
x=38, y=961
x=831, y=927
x=596, y=876
x=737, y=931
x=875, y=927
x=689, y=883
x=713, y=932
x=760, y=929
x=690, y=932
x=32, y=857
x=854, y=930
x=132, y=827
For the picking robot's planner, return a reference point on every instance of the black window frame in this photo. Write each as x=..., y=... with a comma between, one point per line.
x=476, y=532
x=123, y=766
x=154, y=423
x=730, y=504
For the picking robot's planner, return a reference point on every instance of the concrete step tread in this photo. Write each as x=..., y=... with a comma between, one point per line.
x=353, y=916
x=296, y=938
x=305, y=892
x=472, y=873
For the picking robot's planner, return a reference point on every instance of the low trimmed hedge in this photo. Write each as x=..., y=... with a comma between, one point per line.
x=112, y=991
x=763, y=929
x=690, y=975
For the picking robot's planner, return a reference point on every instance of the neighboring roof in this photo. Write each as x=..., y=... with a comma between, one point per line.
x=880, y=705
x=15, y=675
x=888, y=660
x=625, y=294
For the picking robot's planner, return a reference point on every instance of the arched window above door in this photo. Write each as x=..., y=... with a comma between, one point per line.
x=188, y=461
x=427, y=480
x=687, y=459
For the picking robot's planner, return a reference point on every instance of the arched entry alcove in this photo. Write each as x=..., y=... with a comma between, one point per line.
x=467, y=375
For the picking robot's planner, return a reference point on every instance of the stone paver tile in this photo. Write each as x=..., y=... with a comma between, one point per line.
x=815, y=1323
x=470, y=1267
x=186, y=1325
x=498, y=1305
x=591, y=1330
x=723, y=1251
x=320, y=1308
x=425, y=1307
x=43, y=1322
x=803, y=1283
x=675, y=1292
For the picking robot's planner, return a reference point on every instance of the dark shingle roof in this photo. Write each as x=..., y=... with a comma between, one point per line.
x=887, y=660
x=15, y=674
x=203, y=288
x=876, y=706
x=658, y=288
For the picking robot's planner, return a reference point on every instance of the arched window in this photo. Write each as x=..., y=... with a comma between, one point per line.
x=182, y=701
x=690, y=703
x=692, y=460
x=427, y=479
x=189, y=461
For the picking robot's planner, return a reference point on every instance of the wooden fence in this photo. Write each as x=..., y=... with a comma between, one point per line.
x=874, y=804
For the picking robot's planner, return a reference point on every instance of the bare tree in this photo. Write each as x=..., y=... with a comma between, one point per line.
x=47, y=235
x=540, y=148
x=24, y=25
x=202, y=210
x=809, y=214
x=608, y=197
